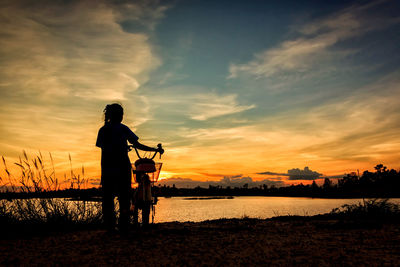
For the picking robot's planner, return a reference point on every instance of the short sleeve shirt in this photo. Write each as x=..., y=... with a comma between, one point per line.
x=113, y=140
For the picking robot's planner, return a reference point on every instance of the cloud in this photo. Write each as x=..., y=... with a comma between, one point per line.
x=213, y=133
x=314, y=44
x=231, y=181
x=365, y=124
x=273, y=173
x=144, y=13
x=297, y=174
x=306, y=174
x=210, y=105
x=75, y=49
x=200, y=106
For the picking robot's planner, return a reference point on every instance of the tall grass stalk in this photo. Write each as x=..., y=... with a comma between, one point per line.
x=35, y=177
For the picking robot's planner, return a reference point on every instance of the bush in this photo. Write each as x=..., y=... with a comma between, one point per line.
x=369, y=209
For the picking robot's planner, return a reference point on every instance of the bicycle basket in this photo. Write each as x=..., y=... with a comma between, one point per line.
x=145, y=165
x=152, y=170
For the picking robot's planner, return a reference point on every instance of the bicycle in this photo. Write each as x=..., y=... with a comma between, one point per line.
x=145, y=172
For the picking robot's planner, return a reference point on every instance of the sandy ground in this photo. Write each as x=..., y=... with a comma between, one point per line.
x=287, y=242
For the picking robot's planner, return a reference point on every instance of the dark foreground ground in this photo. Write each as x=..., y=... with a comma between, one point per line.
x=282, y=241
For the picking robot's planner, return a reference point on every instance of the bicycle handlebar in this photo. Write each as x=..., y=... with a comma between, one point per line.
x=159, y=146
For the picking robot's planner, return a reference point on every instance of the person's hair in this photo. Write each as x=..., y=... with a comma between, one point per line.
x=113, y=113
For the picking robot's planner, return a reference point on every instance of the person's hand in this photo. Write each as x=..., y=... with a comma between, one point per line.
x=160, y=149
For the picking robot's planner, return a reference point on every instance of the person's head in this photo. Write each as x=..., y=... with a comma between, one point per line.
x=113, y=113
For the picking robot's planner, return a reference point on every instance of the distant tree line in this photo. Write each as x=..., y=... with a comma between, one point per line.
x=382, y=183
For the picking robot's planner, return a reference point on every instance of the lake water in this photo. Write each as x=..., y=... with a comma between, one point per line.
x=197, y=209
x=188, y=209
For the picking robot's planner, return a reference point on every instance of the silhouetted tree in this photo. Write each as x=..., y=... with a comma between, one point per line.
x=380, y=168
x=313, y=185
x=327, y=184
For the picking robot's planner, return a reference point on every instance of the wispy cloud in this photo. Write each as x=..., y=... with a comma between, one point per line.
x=208, y=106
x=362, y=127
x=314, y=44
x=200, y=106
x=76, y=49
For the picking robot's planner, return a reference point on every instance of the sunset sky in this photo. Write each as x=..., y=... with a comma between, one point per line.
x=234, y=90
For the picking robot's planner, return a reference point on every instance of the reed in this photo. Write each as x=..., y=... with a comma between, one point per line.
x=34, y=176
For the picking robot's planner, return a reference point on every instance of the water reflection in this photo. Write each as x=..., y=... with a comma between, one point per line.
x=192, y=209
x=197, y=209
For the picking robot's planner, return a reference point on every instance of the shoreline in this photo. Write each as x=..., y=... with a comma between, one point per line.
x=194, y=197
x=286, y=240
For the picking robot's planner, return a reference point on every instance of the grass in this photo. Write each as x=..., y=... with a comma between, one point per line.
x=50, y=212
x=369, y=209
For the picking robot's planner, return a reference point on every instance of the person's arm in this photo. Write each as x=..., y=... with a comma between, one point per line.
x=133, y=139
x=140, y=146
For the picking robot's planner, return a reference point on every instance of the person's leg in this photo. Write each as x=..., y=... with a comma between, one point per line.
x=108, y=207
x=125, y=195
x=146, y=213
x=134, y=207
x=136, y=215
x=124, y=205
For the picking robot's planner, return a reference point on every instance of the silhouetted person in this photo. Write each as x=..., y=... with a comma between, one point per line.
x=113, y=140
